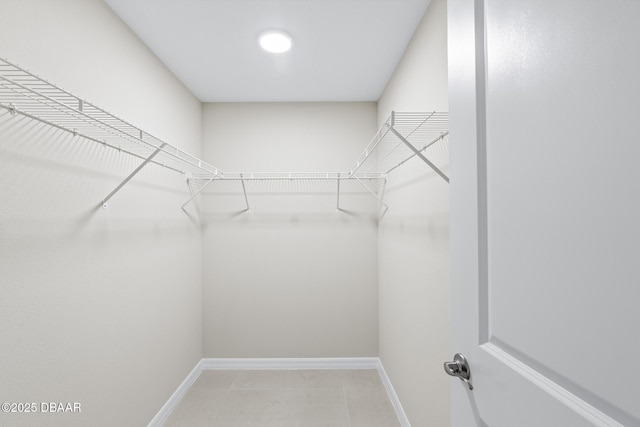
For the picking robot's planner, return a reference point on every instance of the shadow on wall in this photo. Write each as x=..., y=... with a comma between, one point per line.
x=426, y=177
x=270, y=219
x=52, y=184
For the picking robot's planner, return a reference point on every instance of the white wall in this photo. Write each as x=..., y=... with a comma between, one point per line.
x=293, y=277
x=414, y=240
x=100, y=307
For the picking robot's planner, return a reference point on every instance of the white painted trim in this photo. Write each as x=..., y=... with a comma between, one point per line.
x=564, y=396
x=393, y=397
x=284, y=364
x=176, y=397
x=292, y=363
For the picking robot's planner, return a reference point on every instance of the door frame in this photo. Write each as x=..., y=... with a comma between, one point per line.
x=467, y=105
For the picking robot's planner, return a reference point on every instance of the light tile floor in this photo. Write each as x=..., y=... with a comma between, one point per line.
x=299, y=398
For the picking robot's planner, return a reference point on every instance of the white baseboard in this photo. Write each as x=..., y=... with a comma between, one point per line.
x=284, y=364
x=293, y=363
x=393, y=397
x=176, y=397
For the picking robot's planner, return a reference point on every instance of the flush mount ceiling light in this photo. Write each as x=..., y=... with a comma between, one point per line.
x=275, y=41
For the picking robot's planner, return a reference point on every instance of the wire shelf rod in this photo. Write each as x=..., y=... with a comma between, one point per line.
x=386, y=155
x=441, y=137
x=43, y=97
x=370, y=149
x=426, y=119
x=292, y=177
x=68, y=110
x=76, y=133
x=110, y=130
x=131, y=175
x=103, y=141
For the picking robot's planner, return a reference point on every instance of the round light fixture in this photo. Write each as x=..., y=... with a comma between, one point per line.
x=275, y=41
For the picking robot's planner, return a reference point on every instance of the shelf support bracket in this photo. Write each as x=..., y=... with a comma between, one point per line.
x=386, y=208
x=189, y=179
x=419, y=154
x=338, y=195
x=194, y=195
x=383, y=189
x=244, y=190
x=132, y=174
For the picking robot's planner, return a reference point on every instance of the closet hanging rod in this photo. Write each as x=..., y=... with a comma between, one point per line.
x=13, y=110
x=57, y=124
x=298, y=176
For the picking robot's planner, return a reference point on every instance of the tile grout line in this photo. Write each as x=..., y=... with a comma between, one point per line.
x=344, y=395
x=316, y=365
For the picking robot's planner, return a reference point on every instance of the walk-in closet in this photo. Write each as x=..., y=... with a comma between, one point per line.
x=338, y=213
x=173, y=252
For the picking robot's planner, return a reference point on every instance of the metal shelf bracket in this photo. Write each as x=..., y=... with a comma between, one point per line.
x=132, y=174
x=194, y=195
x=386, y=208
x=338, y=194
x=419, y=154
x=244, y=190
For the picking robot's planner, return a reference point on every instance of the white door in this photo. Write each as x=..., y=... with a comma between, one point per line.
x=545, y=211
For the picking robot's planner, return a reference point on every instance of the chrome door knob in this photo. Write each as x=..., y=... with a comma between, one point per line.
x=459, y=368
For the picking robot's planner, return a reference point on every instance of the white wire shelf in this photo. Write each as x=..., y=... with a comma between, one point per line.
x=403, y=137
x=248, y=184
x=22, y=92
x=304, y=176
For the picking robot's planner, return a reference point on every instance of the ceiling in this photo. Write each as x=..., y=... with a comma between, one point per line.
x=343, y=50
